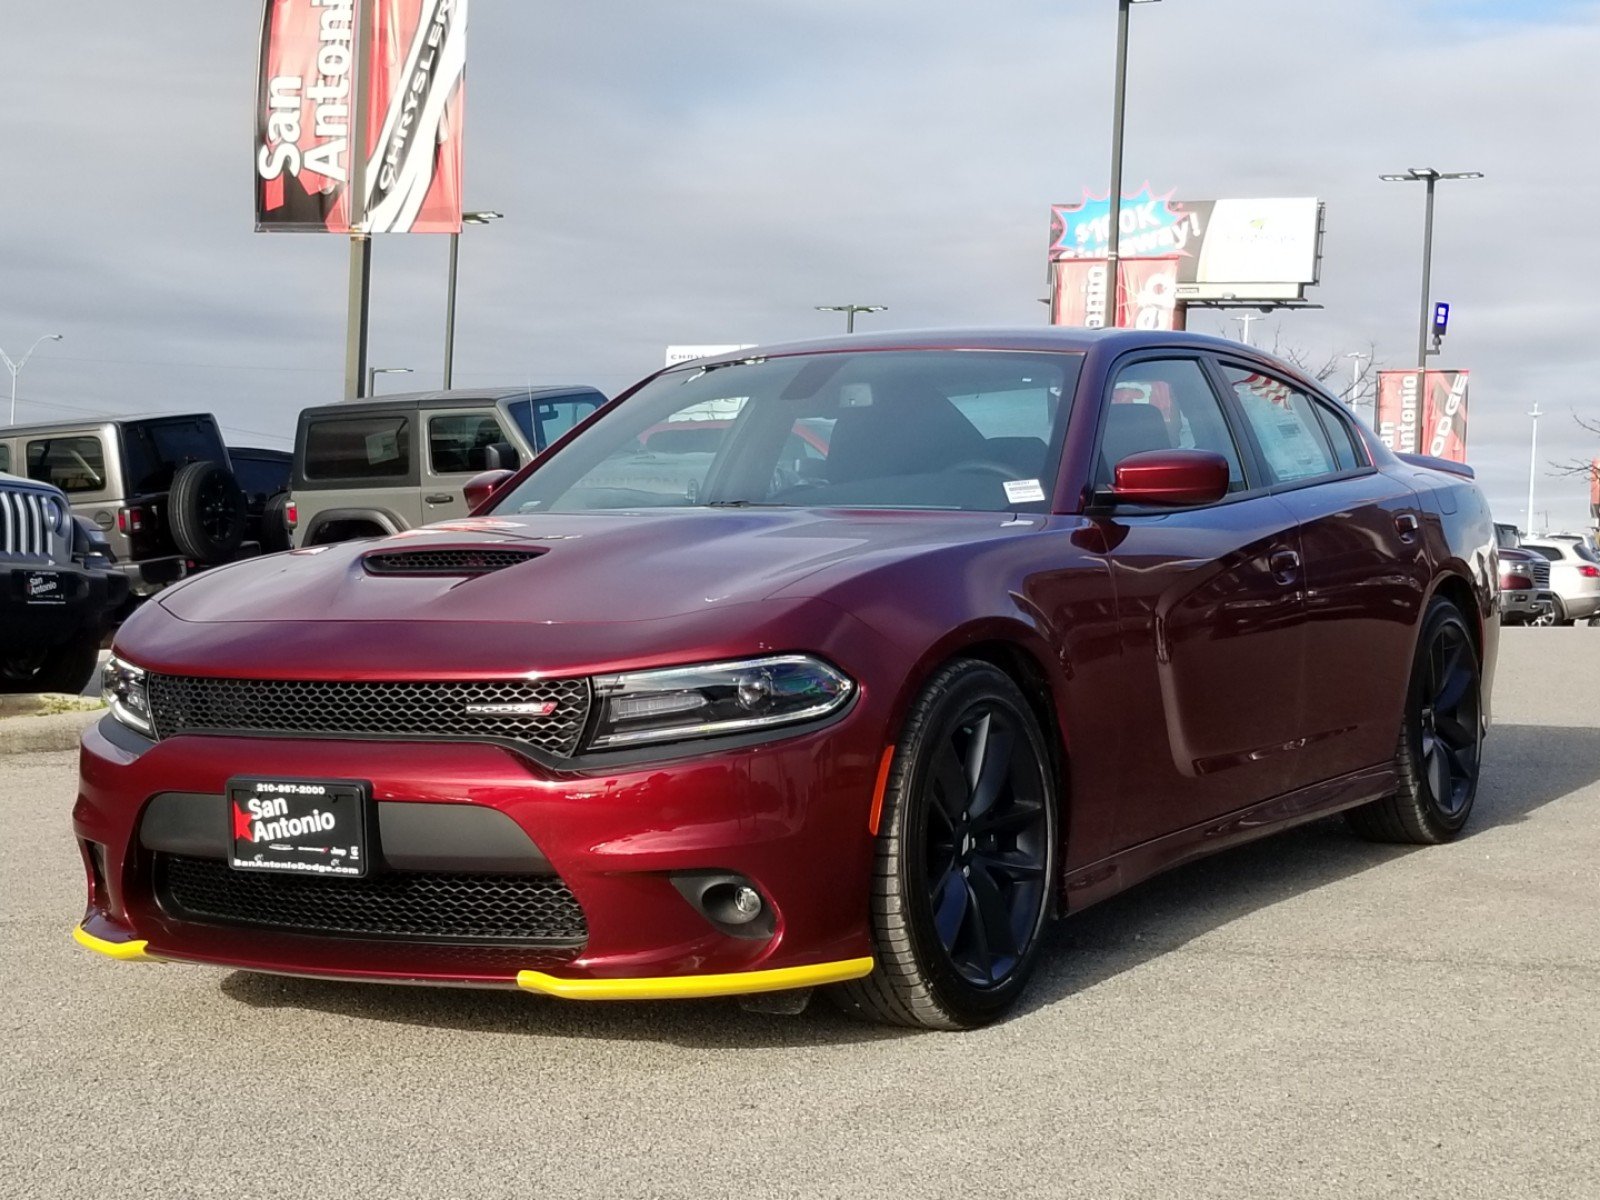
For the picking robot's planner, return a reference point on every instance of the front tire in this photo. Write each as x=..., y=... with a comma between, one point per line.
x=1441, y=740
x=966, y=857
x=67, y=667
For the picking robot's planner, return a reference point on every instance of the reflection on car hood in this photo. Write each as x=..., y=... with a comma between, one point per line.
x=594, y=567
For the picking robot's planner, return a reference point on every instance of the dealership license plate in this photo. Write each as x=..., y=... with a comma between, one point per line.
x=43, y=587
x=298, y=826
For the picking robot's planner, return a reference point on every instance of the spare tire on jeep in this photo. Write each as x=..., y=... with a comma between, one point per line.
x=206, y=511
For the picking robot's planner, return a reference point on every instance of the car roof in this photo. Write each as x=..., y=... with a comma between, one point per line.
x=1057, y=338
x=89, y=422
x=454, y=398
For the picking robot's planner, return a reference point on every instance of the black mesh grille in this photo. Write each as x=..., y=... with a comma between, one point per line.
x=194, y=704
x=465, y=560
x=408, y=905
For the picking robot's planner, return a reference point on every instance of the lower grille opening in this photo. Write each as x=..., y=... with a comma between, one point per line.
x=418, y=906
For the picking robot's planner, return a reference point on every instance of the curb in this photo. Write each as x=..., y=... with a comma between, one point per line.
x=40, y=735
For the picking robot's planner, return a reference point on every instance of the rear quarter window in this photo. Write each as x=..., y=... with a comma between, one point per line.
x=376, y=447
x=74, y=463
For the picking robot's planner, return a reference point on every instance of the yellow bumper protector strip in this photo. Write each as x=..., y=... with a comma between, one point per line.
x=690, y=987
x=127, y=951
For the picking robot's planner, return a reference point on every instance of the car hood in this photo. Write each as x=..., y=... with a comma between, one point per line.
x=590, y=567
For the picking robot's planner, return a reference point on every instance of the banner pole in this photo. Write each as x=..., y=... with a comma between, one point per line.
x=360, y=285
x=1114, y=231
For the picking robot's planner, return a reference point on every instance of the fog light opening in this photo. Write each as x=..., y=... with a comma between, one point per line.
x=730, y=902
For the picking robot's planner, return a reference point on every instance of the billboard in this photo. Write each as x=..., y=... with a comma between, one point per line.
x=1245, y=250
x=307, y=78
x=1147, y=298
x=1423, y=412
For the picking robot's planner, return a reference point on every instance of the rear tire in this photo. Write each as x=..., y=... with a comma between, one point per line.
x=275, y=524
x=1441, y=740
x=965, y=875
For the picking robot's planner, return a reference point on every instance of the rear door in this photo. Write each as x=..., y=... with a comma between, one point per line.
x=455, y=451
x=1209, y=608
x=1366, y=569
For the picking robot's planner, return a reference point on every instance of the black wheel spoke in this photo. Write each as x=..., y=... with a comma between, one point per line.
x=994, y=916
x=982, y=958
x=950, y=905
x=1016, y=864
x=1013, y=818
x=990, y=775
x=1454, y=691
x=1453, y=731
x=1438, y=773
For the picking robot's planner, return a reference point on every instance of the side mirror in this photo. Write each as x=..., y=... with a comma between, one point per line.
x=501, y=456
x=479, y=488
x=1171, y=477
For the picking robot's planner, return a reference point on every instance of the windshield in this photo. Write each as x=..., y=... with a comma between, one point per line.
x=944, y=429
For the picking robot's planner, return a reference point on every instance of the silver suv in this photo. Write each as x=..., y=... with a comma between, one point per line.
x=161, y=488
x=1574, y=576
x=58, y=590
x=368, y=468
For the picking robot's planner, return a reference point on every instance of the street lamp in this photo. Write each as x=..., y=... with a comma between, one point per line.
x=1533, y=462
x=374, y=372
x=1244, y=325
x=1119, y=103
x=1357, y=359
x=467, y=218
x=16, y=367
x=1430, y=177
x=850, y=311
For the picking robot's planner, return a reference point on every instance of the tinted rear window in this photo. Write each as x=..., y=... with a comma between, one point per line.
x=154, y=450
x=376, y=447
x=261, y=476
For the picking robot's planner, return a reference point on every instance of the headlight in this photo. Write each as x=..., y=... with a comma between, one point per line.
x=122, y=687
x=716, y=698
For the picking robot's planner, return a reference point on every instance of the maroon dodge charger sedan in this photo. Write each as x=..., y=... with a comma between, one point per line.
x=909, y=644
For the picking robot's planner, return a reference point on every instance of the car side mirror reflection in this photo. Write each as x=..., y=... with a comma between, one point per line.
x=1171, y=477
x=480, y=487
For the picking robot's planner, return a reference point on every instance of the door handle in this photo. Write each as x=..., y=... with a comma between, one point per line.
x=1406, y=523
x=1284, y=565
x=438, y=498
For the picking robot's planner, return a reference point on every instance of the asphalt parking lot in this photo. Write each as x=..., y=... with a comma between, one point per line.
x=1310, y=1016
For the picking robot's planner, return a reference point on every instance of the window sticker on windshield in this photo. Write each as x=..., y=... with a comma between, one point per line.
x=1024, y=491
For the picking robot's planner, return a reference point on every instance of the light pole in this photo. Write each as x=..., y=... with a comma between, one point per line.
x=1533, y=463
x=1356, y=360
x=850, y=311
x=1118, y=104
x=374, y=372
x=1430, y=177
x=1244, y=325
x=467, y=218
x=16, y=367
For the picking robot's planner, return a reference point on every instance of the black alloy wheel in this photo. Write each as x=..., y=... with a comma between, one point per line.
x=206, y=511
x=1441, y=739
x=966, y=856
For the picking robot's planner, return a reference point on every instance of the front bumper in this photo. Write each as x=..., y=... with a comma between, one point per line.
x=790, y=816
x=1524, y=604
x=78, y=600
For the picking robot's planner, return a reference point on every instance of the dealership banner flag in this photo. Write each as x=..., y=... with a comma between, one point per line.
x=1396, y=418
x=1147, y=298
x=1444, y=415
x=304, y=104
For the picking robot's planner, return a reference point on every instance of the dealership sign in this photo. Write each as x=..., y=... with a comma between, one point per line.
x=304, y=108
x=1423, y=412
x=1237, y=250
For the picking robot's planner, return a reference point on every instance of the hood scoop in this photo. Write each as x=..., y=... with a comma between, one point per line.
x=446, y=560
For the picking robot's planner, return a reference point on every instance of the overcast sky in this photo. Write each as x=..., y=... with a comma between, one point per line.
x=709, y=170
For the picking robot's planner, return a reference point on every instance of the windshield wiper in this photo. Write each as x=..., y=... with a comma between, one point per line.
x=738, y=504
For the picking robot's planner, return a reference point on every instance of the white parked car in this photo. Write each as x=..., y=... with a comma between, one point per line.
x=1574, y=576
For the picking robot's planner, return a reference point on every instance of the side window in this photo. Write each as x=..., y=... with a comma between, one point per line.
x=1347, y=450
x=376, y=447
x=456, y=443
x=1164, y=404
x=73, y=464
x=5, y=457
x=1285, y=424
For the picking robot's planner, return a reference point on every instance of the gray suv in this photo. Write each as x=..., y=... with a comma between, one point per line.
x=58, y=590
x=368, y=468
x=161, y=488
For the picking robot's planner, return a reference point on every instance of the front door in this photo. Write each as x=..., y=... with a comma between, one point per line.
x=1210, y=611
x=456, y=451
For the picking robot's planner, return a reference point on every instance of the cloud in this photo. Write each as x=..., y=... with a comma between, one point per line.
x=711, y=171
